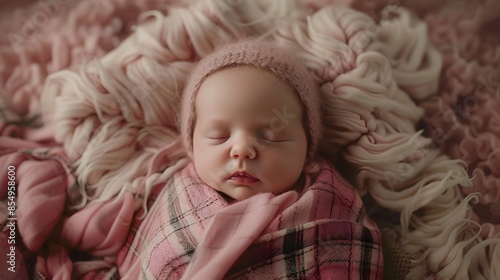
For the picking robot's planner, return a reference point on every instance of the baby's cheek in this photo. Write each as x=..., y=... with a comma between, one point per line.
x=206, y=174
x=200, y=159
x=206, y=165
x=280, y=164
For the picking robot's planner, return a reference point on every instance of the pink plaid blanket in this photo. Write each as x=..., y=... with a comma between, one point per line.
x=193, y=232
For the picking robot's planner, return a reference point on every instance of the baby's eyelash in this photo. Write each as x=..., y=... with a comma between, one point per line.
x=263, y=135
x=218, y=137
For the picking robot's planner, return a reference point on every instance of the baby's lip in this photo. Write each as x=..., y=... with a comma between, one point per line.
x=243, y=177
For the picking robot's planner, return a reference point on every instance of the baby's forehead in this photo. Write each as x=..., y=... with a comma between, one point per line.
x=249, y=85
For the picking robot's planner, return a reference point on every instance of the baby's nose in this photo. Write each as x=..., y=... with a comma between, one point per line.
x=243, y=148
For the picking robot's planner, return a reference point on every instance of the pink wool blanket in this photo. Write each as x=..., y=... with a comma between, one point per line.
x=193, y=232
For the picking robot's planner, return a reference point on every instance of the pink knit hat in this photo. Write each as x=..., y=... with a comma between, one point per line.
x=261, y=55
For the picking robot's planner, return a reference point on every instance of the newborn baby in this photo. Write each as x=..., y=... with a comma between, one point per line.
x=256, y=201
x=250, y=120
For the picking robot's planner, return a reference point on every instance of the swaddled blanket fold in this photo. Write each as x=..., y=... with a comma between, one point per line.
x=194, y=232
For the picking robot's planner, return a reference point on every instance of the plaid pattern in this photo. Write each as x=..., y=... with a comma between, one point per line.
x=192, y=232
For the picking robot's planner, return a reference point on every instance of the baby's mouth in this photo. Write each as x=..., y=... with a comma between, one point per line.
x=243, y=177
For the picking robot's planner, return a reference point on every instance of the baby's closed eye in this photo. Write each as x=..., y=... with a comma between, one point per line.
x=217, y=135
x=265, y=135
x=270, y=135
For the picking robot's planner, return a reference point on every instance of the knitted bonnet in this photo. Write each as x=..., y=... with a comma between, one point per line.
x=261, y=55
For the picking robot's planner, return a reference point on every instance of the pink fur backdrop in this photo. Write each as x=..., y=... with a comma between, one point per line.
x=89, y=92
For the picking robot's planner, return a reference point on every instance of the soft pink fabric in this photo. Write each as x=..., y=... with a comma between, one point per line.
x=16, y=143
x=231, y=231
x=54, y=262
x=41, y=200
x=45, y=188
x=192, y=232
x=99, y=228
x=8, y=157
x=40, y=194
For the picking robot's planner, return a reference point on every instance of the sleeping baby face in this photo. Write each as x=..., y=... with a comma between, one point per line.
x=248, y=136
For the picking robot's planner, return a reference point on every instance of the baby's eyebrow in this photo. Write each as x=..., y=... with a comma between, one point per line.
x=216, y=122
x=257, y=123
x=263, y=123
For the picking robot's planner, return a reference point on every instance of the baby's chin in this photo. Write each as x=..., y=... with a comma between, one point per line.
x=236, y=192
x=239, y=192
